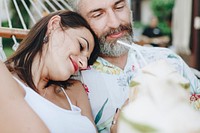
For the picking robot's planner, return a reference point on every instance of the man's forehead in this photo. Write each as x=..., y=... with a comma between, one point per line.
x=89, y=5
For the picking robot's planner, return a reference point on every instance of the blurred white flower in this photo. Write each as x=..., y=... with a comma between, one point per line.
x=159, y=103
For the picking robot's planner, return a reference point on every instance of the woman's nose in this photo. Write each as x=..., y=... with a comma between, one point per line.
x=82, y=62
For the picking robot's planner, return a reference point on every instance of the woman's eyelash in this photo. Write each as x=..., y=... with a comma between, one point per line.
x=81, y=47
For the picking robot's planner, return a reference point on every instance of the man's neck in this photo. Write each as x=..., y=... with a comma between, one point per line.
x=117, y=61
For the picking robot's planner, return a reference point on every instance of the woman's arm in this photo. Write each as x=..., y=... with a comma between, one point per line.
x=15, y=113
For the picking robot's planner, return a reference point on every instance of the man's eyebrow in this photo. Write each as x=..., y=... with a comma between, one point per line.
x=99, y=9
x=119, y=2
x=95, y=10
x=86, y=42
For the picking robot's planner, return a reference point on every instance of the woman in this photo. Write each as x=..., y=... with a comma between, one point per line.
x=37, y=96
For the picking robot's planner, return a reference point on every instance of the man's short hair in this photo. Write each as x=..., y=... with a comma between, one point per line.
x=73, y=4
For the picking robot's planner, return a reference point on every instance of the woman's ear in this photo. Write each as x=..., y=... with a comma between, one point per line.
x=54, y=23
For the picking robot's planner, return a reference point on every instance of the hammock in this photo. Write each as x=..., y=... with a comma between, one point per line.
x=36, y=10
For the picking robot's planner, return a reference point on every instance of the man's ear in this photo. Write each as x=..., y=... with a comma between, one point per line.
x=54, y=23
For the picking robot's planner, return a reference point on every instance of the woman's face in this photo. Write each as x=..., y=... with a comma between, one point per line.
x=68, y=52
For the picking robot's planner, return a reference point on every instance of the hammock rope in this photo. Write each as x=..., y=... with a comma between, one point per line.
x=37, y=9
x=28, y=11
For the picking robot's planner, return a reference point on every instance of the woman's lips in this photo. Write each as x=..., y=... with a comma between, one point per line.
x=75, y=65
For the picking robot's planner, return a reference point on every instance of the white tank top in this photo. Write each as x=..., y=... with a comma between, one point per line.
x=57, y=119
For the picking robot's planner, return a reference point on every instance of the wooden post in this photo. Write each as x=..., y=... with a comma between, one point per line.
x=195, y=36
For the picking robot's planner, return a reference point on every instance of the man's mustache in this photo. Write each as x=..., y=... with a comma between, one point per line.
x=119, y=29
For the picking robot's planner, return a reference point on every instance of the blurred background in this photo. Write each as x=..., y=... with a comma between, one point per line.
x=174, y=24
x=178, y=19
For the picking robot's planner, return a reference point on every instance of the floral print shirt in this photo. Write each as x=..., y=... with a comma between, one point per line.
x=108, y=85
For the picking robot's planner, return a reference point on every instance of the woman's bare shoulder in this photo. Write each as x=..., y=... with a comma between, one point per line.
x=15, y=111
x=76, y=86
x=8, y=84
x=76, y=91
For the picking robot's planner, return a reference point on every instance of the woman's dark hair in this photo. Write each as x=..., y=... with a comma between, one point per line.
x=21, y=61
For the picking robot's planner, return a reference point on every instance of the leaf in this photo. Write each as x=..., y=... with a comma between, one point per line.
x=99, y=114
x=133, y=83
x=171, y=56
x=140, y=127
x=101, y=130
x=185, y=86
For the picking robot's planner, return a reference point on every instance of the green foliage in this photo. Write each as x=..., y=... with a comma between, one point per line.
x=138, y=24
x=7, y=41
x=162, y=8
x=8, y=51
x=164, y=27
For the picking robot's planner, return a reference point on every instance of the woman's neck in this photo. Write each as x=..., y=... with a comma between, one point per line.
x=39, y=74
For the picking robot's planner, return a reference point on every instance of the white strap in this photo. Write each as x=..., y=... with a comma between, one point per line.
x=70, y=103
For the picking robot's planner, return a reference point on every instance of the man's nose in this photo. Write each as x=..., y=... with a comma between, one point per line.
x=113, y=20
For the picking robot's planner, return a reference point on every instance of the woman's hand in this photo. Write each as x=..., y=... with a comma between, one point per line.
x=113, y=128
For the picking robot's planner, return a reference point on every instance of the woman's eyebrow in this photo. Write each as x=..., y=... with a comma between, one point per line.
x=86, y=42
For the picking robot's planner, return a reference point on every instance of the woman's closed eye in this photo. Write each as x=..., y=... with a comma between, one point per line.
x=84, y=44
x=81, y=46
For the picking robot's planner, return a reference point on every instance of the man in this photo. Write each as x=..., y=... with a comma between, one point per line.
x=108, y=79
x=153, y=35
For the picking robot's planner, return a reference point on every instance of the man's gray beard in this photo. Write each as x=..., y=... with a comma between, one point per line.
x=114, y=49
